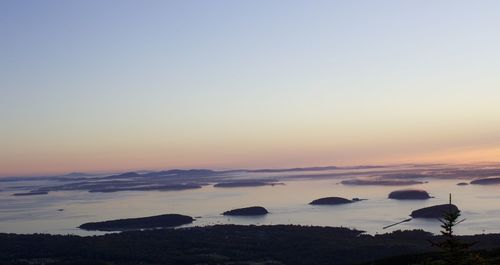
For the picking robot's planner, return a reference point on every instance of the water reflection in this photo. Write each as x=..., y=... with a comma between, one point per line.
x=288, y=204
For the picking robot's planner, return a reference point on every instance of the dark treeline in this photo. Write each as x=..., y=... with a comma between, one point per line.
x=224, y=244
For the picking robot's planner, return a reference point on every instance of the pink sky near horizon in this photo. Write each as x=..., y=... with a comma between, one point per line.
x=99, y=86
x=103, y=164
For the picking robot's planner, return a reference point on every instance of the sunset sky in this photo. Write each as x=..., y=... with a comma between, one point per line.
x=99, y=86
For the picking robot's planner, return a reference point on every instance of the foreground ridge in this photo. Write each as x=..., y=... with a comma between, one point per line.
x=222, y=244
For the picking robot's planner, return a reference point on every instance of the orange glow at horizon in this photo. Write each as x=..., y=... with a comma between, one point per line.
x=230, y=159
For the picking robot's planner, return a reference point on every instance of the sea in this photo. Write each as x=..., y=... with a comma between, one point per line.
x=61, y=212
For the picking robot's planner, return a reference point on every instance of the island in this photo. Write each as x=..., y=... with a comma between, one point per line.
x=436, y=211
x=31, y=193
x=169, y=180
x=462, y=184
x=173, y=187
x=158, y=221
x=242, y=184
x=332, y=201
x=247, y=211
x=486, y=181
x=409, y=195
x=378, y=182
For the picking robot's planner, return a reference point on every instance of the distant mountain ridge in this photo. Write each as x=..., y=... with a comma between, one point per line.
x=301, y=169
x=185, y=172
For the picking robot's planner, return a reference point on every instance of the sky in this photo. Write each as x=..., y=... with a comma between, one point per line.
x=100, y=86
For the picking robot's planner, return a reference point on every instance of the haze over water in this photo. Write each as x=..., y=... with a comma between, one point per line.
x=61, y=212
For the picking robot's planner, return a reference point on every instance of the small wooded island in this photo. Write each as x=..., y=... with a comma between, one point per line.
x=247, y=211
x=436, y=211
x=409, y=195
x=158, y=221
x=332, y=201
x=380, y=182
x=31, y=193
x=169, y=187
x=486, y=181
x=243, y=184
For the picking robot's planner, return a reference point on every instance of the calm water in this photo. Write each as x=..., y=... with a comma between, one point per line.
x=288, y=204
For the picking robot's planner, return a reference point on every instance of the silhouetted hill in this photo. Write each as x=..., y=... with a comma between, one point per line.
x=224, y=245
x=380, y=182
x=77, y=174
x=246, y=183
x=297, y=169
x=182, y=172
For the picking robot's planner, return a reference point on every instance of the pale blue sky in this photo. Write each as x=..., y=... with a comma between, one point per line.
x=107, y=85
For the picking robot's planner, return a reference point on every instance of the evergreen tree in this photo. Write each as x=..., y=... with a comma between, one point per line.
x=455, y=252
